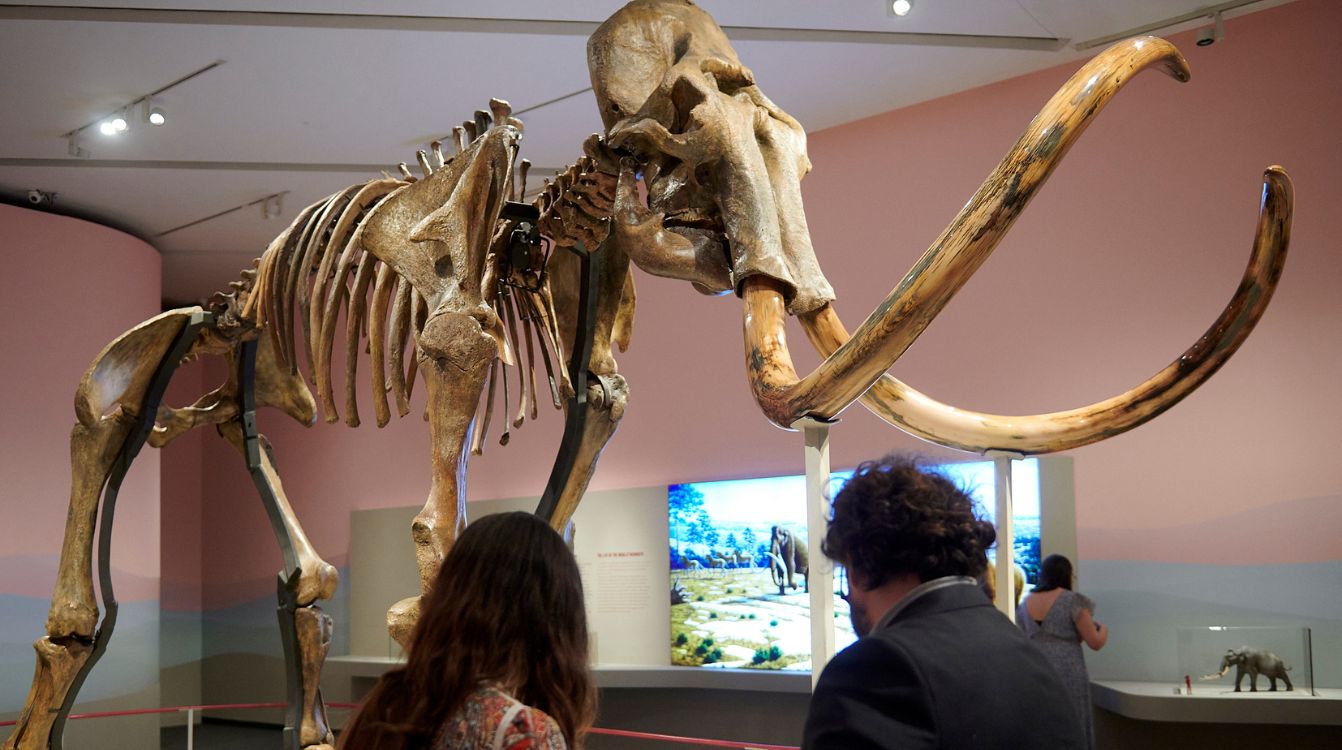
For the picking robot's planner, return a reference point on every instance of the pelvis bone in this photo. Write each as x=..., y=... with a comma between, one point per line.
x=722, y=166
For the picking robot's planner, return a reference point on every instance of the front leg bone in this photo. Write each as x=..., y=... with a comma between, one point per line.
x=607, y=397
x=455, y=353
x=607, y=391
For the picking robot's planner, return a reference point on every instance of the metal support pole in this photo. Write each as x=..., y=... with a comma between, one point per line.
x=576, y=418
x=1006, y=537
x=820, y=576
x=191, y=729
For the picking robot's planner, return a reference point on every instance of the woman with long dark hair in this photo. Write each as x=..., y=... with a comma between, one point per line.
x=498, y=658
x=1058, y=621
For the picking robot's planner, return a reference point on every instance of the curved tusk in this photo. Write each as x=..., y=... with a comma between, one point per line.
x=939, y=423
x=962, y=247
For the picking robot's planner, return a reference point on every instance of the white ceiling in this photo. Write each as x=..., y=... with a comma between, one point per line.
x=318, y=94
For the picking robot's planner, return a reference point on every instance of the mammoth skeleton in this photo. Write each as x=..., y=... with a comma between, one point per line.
x=477, y=285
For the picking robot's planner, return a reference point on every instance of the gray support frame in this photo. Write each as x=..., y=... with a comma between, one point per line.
x=575, y=420
x=288, y=577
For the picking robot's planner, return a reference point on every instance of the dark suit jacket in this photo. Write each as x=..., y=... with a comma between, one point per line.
x=949, y=671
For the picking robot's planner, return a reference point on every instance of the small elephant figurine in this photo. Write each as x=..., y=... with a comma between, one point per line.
x=1255, y=662
x=788, y=557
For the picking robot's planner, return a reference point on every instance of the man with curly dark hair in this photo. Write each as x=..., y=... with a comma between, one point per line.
x=935, y=665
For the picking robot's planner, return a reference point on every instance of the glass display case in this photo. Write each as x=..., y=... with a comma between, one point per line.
x=1225, y=659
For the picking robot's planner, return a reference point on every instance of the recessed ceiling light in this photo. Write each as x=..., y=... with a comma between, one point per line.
x=901, y=7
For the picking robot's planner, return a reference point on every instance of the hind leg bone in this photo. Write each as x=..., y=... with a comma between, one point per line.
x=107, y=407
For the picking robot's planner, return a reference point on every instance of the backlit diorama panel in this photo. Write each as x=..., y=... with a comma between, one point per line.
x=736, y=600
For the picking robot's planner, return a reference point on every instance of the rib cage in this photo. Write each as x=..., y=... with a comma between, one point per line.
x=316, y=270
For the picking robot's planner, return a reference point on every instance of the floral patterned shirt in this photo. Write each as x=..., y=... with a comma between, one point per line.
x=493, y=720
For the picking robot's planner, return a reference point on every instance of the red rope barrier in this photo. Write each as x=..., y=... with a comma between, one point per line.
x=251, y=706
x=691, y=740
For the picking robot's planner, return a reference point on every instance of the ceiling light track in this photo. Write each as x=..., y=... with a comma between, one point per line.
x=1210, y=11
x=270, y=208
x=120, y=119
x=380, y=22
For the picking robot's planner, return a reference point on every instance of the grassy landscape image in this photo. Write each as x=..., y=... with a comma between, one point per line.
x=739, y=599
x=738, y=584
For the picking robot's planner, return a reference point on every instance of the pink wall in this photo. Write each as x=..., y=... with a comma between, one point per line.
x=1121, y=262
x=182, y=478
x=68, y=288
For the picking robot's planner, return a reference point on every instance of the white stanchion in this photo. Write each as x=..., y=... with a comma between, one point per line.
x=1006, y=537
x=190, y=729
x=820, y=577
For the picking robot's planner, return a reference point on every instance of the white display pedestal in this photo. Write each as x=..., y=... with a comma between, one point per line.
x=1157, y=701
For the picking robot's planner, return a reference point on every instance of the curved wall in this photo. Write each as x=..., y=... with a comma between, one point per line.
x=68, y=288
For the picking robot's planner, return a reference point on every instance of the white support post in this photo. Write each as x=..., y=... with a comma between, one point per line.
x=1006, y=537
x=820, y=577
x=190, y=729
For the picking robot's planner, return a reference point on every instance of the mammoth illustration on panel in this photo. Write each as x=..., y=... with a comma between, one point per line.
x=788, y=560
x=450, y=278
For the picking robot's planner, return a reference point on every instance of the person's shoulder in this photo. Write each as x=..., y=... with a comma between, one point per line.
x=531, y=729
x=870, y=695
x=882, y=653
x=1081, y=601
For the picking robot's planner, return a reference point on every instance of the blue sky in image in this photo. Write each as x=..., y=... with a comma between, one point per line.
x=771, y=500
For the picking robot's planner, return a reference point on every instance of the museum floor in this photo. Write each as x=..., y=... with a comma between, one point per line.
x=220, y=735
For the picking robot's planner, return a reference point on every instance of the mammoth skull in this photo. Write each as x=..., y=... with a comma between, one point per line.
x=718, y=158
x=722, y=166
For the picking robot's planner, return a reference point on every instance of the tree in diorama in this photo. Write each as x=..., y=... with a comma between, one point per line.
x=748, y=543
x=1025, y=552
x=685, y=506
x=732, y=545
x=710, y=532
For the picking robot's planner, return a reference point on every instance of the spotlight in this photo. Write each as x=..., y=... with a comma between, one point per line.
x=120, y=121
x=901, y=8
x=73, y=147
x=272, y=206
x=153, y=114
x=108, y=127
x=1209, y=35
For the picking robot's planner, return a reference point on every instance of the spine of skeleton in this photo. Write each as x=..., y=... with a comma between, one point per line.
x=576, y=205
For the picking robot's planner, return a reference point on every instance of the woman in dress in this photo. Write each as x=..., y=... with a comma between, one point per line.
x=498, y=658
x=1058, y=621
